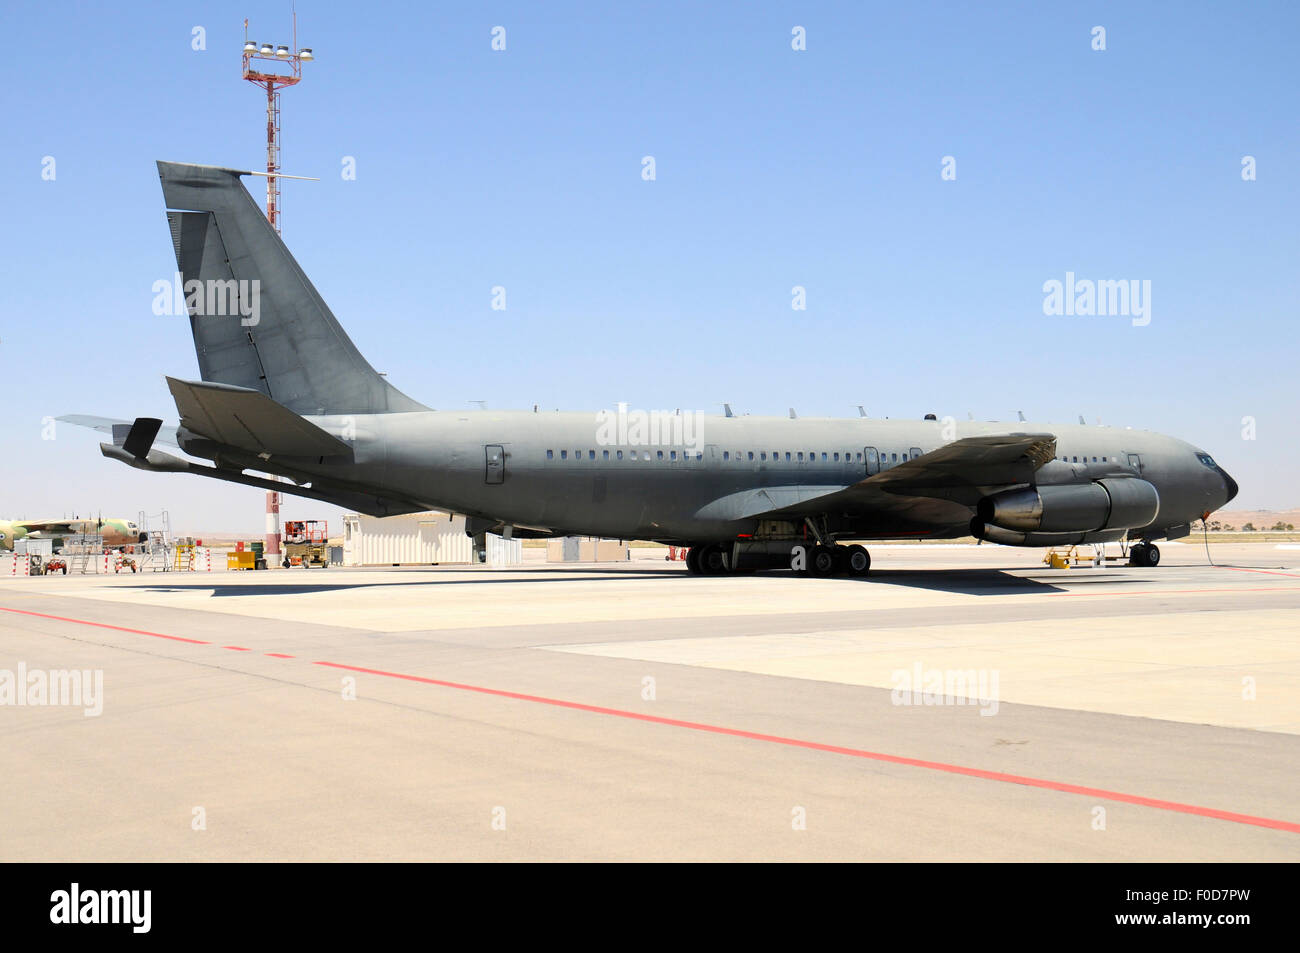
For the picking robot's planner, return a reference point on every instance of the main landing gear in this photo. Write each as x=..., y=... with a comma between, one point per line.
x=1146, y=555
x=706, y=561
x=712, y=559
x=834, y=561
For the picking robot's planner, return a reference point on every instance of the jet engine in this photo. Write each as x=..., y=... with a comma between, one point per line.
x=1100, y=511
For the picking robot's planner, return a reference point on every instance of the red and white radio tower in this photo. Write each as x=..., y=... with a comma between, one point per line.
x=273, y=82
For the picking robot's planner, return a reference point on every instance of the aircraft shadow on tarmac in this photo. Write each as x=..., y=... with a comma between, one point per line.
x=973, y=582
x=967, y=582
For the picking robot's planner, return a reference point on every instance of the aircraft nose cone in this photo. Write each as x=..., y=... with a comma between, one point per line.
x=1230, y=484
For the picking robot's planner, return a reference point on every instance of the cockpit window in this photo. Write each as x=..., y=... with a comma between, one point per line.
x=1207, y=460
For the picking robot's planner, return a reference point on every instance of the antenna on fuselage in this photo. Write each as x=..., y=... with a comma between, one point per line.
x=1082, y=421
x=792, y=414
x=1020, y=414
x=726, y=410
x=861, y=411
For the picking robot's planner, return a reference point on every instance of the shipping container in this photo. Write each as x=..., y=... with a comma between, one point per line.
x=415, y=539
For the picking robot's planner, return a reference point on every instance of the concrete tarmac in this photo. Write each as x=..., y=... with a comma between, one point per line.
x=961, y=703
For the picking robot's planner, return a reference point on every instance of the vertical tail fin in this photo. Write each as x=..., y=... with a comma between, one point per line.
x=285, y=342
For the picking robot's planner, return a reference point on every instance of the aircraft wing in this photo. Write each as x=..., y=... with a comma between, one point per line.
x=50, y=527
x=974, y=463
x=934, y=487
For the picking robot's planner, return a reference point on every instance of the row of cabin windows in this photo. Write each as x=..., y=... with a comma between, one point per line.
x=618, y=455
x=850, y=456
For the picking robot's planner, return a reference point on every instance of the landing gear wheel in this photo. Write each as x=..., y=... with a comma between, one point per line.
x=693, y=561
x=822, y=561
x=713, y=562
x=1146, y=555
x=859, y=561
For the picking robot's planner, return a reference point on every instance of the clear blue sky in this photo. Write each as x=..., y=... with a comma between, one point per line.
x=774, y=168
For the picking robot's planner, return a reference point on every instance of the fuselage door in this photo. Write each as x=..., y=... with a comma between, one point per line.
x=873, y=461
x=496, y=463
x=1135, y=461
x=913, y=453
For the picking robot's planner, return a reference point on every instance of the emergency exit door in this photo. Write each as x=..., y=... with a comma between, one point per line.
x=873, y=460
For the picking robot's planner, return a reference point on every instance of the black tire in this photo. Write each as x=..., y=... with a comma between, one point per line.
x=693, y=561
x=713, y=561
x=822, y=561
x=1137, y=556
x=858, y=561
x=1153, y=555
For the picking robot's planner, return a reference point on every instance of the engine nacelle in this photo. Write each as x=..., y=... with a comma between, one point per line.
x=1112, y=503
x=1010, y=537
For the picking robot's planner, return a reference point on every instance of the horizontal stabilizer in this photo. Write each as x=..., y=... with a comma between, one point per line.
x=249, y=420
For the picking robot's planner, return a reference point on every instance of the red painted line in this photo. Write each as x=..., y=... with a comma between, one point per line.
x=957, y=769
x=1267, y=572
x=236, y=648
x=1161, y=592
x=105, y=625
x=277, y=655
x=1062, y=787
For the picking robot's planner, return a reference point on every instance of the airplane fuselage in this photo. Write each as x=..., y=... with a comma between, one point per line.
x=557, y=471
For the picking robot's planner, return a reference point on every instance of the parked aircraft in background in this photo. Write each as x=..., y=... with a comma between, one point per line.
x=116, y=532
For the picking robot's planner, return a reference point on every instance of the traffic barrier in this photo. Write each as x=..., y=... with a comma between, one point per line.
x=19, y=565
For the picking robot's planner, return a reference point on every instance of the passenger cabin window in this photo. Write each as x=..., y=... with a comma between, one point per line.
x=564, y=454
x=550, y=454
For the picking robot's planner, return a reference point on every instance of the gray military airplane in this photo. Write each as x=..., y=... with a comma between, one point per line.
x=284, y=391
